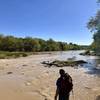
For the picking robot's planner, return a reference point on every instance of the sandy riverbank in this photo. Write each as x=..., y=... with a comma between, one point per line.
x=30, y=80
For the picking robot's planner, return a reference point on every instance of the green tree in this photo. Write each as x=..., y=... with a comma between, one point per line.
x=36, y=45
x=9, y=43
x=94, y=26
x=52, y=45
x=31, y=44
x=28, y=44
x=43, y=44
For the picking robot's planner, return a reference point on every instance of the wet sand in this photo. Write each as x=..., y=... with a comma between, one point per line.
x=27, y=79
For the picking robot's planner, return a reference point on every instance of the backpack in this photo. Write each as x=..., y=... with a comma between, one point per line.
x=65, y=84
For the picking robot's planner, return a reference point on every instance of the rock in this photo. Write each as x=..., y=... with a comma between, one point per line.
x=9, y=72
x=24, y=65
x=27, y=83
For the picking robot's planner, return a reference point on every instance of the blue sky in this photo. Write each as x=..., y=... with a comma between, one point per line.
x=62, y=20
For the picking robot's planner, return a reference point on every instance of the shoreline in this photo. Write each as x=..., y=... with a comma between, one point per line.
x=30, y=80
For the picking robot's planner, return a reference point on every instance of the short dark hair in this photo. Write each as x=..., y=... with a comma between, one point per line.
x=61, y=72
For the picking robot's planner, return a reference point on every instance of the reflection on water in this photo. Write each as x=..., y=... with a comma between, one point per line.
x=93, y=65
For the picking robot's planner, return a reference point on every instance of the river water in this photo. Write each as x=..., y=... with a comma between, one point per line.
x=93, y=62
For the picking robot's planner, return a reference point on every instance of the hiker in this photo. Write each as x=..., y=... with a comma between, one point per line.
x=64, y=86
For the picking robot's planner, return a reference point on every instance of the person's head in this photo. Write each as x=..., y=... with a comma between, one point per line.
x=61, y=72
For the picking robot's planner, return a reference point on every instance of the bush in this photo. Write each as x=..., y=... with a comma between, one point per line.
x=2, y=56
x=24, y=55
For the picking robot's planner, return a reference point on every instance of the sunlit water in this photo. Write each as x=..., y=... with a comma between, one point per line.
x=93, y=62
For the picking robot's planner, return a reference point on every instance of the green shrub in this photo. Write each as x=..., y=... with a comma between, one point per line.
x=2, y=56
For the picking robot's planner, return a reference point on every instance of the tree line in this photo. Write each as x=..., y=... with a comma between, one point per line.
x=94, y=26
x=29, y=44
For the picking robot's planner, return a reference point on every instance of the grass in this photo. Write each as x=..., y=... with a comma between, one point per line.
x=8, y=55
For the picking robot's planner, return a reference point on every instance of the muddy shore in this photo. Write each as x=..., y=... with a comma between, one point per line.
x=26, y=78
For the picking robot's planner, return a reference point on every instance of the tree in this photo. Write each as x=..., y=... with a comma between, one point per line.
x=94, y=26
x=42, y=44
x=94, y=23
x=29, y=44
x=52, y=45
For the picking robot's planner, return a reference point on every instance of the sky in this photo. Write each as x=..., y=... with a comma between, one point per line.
x=61, y=20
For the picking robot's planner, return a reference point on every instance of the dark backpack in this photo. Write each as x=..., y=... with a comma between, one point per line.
x=66, y=84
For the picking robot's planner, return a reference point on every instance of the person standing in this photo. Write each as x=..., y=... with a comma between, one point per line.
x=64, y=86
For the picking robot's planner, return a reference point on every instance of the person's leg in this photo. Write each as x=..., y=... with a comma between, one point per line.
x=61, y=97
x=64, y=97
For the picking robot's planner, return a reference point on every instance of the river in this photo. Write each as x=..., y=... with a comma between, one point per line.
x=93, y=62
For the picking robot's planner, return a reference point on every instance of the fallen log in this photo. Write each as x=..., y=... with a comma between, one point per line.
x=59, y=63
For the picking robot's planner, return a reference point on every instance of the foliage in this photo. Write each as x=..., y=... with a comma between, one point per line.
x=28, y=44
x=6, y=54
x=94, y=26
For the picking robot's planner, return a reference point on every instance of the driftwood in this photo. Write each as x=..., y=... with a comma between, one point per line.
x=59, y=63
x=88, y=53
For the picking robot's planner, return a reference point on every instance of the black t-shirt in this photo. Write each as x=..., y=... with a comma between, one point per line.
x=63, y=84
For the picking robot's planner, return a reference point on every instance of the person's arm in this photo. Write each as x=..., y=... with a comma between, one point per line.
x=56, y=95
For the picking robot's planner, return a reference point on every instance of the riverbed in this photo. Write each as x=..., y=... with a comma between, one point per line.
x=26, y=78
